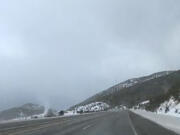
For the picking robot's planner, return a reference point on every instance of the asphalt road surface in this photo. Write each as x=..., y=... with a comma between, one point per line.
x=104, y=123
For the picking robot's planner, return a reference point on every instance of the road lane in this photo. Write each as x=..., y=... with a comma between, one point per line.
x=116, y=123
x=35, y=125
x=105, y=123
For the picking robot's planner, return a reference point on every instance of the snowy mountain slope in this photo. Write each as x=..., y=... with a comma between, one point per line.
x=144, y=93
x=168, y=103
x=21, y=112
x=169, y=98
x=170, y=107
x=126, y=84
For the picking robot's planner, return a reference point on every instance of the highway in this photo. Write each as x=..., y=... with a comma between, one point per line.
x=103, y=123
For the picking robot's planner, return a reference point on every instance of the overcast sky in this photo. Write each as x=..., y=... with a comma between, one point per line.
x=59, y=52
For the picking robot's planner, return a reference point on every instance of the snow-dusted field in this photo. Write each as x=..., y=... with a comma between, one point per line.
x=170, y=122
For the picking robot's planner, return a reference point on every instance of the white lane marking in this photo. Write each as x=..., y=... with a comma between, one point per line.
x=88, y=126
x=131, y=124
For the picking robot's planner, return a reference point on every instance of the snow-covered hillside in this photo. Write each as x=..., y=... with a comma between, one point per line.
x=141, y=105
x=21, y=112
x=170, y=107
x=130, y=83
x=26, y=112
x=92, y=107
x=134, y=81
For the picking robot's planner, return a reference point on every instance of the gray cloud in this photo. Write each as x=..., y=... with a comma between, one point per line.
x=60, y=52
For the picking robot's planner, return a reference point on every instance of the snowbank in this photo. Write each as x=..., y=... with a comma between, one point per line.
x=92, y=107
x=170, y=122
x=170, y=107
x=70, y=113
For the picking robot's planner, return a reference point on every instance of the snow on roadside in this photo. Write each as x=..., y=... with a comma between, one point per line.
x=166, y=121
x=141, y=105
x=145, y=102
x=70, y=113
x=170, y=107
x=92, y=107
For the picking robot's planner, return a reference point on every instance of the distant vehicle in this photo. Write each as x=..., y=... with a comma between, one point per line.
x=34, y=117
x=81, y=111
x=61, y=113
